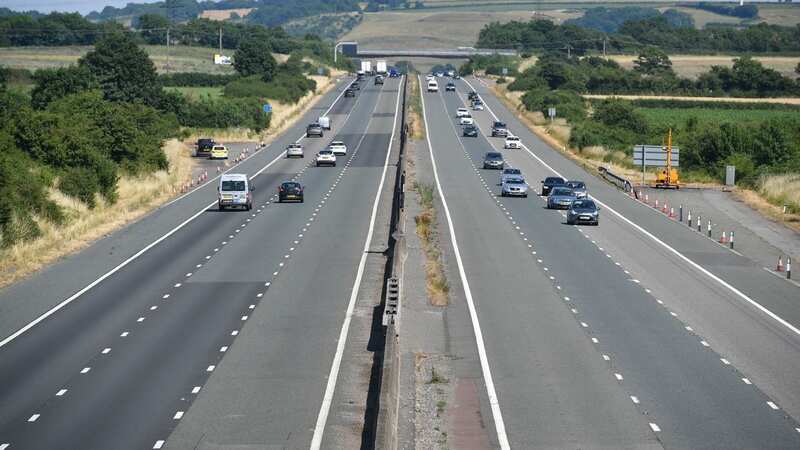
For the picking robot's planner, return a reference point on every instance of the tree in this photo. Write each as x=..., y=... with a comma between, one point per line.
x=652, y=61
x=124, y=71
x=797, y=69
x=52, y=84
x=253, y=57
x=153, y=27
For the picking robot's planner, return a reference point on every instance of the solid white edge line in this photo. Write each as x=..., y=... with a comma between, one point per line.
x=696, y=266
x=136, y=255
x=327, y=399
x=497, y=415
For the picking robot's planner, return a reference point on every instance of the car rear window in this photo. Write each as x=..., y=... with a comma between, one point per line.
x=233, y=185
x=499, y=125
x=512, y=171
x=554, y=180
x=291, y=185
x=325, y=152
x=562, y=191
x=576, y=184
x=515, y=181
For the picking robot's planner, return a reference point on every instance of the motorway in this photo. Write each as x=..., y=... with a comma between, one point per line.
x=195, y=328
x=632, y=334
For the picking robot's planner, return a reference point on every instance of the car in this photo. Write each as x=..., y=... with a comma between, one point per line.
x=561, y=197
x=514, y=186
x=477, y=106
x=472, y=95
x=493, y=160
x=324, y=122
x=338, y=148
x=510, y=172
x=295, y=151
x=583, y=210
x=378, y=80
x=429, y=77
x=450, y=87
x=290, y=190
x=218, y=152
x=462, y=112
x=578, y=187
x=234, y=190
x=203, y=147
x=355, y=86
x=360, y=75
x=439, y=74
x=349, y=92
x=433, y=86
x=471, y=131
x=314, y=129
x=326, y=158
x=512, y=142
x=499, y=129
x=549, y=182
x=456, y=76
x=466, y=120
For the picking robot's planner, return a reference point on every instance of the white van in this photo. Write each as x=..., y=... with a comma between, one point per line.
x=235, y=189
x=433, y=86
x=324, y=122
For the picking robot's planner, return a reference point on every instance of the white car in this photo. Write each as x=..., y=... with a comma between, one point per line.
x=477, y=106
x=295, y=151
x=433, y=86
x=429, y=77
x=462, y=112
x=338, y=148
x=326, y=158
x=513, y=142
x=467, y=120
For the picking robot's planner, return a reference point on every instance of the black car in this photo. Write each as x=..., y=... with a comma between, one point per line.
x=450, y=87
x=583, y=211
x=290, y=190
x=550, y=182
x=470, y=131
x=378, y=80
x=204, y=146
x=349, y=93
x=493, y=160
x=355, y=86
x=499, y=129
x=314, y=129
x=473, y=96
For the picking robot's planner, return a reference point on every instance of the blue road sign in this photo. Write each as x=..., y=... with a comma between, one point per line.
x=267, y=108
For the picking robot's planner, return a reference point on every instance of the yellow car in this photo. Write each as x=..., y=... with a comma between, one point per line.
x=219, y=152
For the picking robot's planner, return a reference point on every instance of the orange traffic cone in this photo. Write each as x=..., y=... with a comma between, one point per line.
x=723, y=239
x=780, y=264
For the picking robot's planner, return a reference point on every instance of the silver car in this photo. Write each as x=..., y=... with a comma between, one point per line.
x=578, y=187
x=561, y=197
x=514, y=186
x=510, y=172
x=583, y=211
x=295, y=151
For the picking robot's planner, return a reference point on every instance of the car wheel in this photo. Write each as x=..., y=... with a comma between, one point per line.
x=525, y=195
x=221, y=207
x=302, y=200
x=317, y=164
x=249, y=206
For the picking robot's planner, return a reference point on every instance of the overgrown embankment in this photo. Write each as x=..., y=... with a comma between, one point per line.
x=436, y=283
x=416, y=126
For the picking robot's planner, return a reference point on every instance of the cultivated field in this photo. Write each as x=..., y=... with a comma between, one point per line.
x=181, y=58
x=224, y=14
x=693, y=65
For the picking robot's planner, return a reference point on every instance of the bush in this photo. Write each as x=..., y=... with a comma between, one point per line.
x=195, y=79
x=527, y=80
x=284, y=87
x=568, y=104
x=225, y=112
x=620, y=114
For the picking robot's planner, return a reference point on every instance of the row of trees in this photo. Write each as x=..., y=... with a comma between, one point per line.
x=609, y=20
x=632, y=35
x=748, y=11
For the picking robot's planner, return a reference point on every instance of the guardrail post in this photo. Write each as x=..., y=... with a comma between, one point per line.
x=680, y=213
x=731, y=239
x=699, y=222
x=709, y=228
x=788, y=267
x=689, y=219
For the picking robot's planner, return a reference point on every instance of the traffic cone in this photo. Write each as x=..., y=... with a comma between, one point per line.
x=656, y=204
x=664, y=208
x=780, y=264
x=672, y=213
x=723, y=239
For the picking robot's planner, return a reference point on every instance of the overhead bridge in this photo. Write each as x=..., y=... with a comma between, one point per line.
x=443, y=53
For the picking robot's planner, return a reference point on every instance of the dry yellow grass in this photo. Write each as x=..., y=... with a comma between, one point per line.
x=416, y=126
x=762, y=201
x=785, y=100
x=137, y=196
x=224, y=14
x=693, y=65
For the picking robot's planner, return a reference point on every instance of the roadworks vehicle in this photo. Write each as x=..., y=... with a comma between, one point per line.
x=234, y=190
x=667, y=177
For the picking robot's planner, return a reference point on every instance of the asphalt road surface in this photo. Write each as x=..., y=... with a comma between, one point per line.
x=118, y=365
x=632, y=334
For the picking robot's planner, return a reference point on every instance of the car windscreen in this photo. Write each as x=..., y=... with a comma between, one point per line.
x=499, y=125
x=576, y=185
x=562, y=191
x=584, y=205
x=291, y=185
x=233, y=185
x=515, y=181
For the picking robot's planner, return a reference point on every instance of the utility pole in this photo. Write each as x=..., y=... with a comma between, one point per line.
x=167, y=67
x=604, y=46
x=220, y=40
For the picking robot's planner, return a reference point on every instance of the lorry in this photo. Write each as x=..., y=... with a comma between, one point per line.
x=380, y=67
x=366, y=67
x=324, y=122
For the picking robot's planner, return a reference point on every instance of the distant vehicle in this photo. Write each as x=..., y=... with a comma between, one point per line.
x=324, y=122
x=349, y=92
x=360, y=75
x=451, y=73
x=314, y=129
x=514, y=186
x=472, y=96
x=290, y=190
x=467, y=120
x=510, y=172
x=439, y=74
x=583, y=210
x=338, y=148
x=433, y=86
x=295, y=151
x=456, y=76
x=499, y=129
x=380, y=67
x=326, y=158
x=430, y=77
x=493, y=160
x=366, y=67
x=550, y=182
x=393, y=73
x=218, y=152
x=355, y=86
x=378, y=80
x=578, y=187
x=477, y=105
x=512, y=142
x=203, y=147
x=471, y=131
x=561, y=197
x=462, y=112
x=234, y=190
x=450, y=87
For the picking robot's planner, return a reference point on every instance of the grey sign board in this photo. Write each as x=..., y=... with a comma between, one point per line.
x=505, y=71
x=655, y=155
x=551, y=112
x=730, y=175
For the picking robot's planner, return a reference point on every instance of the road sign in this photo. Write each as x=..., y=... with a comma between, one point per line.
x=655, y=156
x=551, y=112
x=267, y=108
x=505, y=71
x=320, y=71
x=730, y=175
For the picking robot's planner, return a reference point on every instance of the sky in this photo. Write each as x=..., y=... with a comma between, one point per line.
x=81, y=6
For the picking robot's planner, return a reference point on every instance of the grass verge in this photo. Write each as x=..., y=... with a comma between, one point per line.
x=416, y=127
x=436, y=284
x=137, y=196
